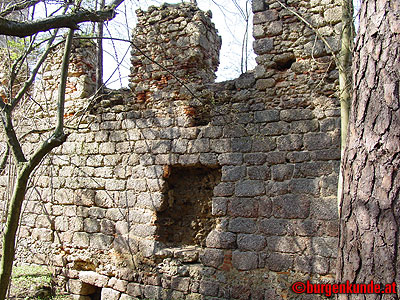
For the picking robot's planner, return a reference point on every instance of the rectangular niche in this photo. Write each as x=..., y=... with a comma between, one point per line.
x=186, y=219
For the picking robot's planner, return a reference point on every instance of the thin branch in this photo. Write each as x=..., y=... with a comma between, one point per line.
x=24, y=29
x=4, y=158
x=34, y=72
x=18, y=6
x=12, y=139
x=63, y=82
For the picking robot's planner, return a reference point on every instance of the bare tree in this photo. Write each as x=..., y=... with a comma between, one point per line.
x=370, y=209
x=72, y=14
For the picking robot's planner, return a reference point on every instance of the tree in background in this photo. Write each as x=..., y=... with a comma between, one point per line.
x=370, y=208
x=66, y=15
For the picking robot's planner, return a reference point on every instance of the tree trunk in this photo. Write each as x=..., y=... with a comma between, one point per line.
x=370, y=208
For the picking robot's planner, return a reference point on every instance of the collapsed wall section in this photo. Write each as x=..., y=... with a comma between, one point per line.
x=147, y=202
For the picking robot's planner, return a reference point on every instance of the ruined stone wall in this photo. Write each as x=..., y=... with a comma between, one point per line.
x=224, y=192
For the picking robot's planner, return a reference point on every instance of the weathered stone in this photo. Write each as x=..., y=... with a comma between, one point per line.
x=263, y=46
x=275, y=226
x=222, y=240
x=93, y=278
x=219, y=206
x=212, y=257
x=289, y=142
x=316, y=141
x=242, y=225
x=265, y=16
x=249, y=188
x=208, y=288
x=291, y=206
x=282, y=172
x=134, y=289
x=180, y=283
x=78, y=287
x=251, y=242
x=243, y=207
x=244, y=260
x=107, y=293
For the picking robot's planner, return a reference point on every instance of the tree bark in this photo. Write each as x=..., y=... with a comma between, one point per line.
x=370, y=208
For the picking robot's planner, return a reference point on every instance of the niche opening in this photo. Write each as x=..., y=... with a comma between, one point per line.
x=186, y=219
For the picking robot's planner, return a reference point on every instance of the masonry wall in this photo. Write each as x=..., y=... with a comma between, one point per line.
x=226, y=191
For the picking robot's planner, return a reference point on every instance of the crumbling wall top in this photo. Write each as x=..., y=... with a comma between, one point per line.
x=173, y=41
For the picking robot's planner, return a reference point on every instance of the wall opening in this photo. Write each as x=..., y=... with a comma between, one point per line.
x=186, y=219
x=96, y=295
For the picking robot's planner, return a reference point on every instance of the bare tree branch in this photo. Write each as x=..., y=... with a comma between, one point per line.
x=18, y=6
x=24, y=29
x=63, y=82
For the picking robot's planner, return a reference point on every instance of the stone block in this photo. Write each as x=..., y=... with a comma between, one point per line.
x=222, y=240
x=208, y=159
x=91, y=225
x=317, y=141
x=126, y=297
x=189, y=159
x=290, y=142
x=263, y=144
x=110, y=294
x=100, y=241
x=312, y=264
x=330, y=154
x=265, y=16
x=304, y=126
x=242, y=225
x=134, y=289
x=107, y=227
x=224, y=189
x=219, y=206
x=282, y=172
x=78, y=287
x=324, y=246
x=296, y=157
x=241, y=145
x=254, y=158
x=208, y=288
x=211, y=132
x=243, y=207
x=291, y=206
x=264, y=84
x=279, y=262
x=266, y=116
x=251, y=242
x=93, y=278
x=304, y=186
x=107, y=148
x=81, y=239
x=277, y=157
x=153, y=292
x=296, y=114
x=232, y=173
x=220, y=145
x=333, y=15
x=288, y=244
x=230, y=159
x=249, y=188
x=275, y=226
x=324, y=208
x=212, y=257
x=180, y=283
x=257, y=5
x=259, y=173
x=244, y=261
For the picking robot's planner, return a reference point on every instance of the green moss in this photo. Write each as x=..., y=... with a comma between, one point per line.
x=33, y=282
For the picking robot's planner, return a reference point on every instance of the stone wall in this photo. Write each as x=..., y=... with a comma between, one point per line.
x=226, y=191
